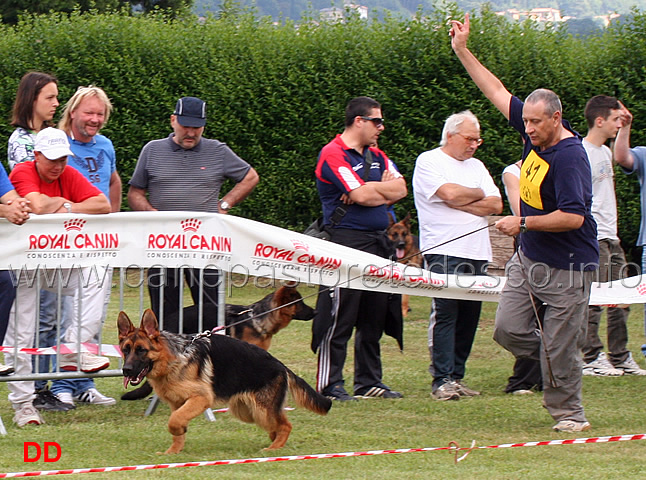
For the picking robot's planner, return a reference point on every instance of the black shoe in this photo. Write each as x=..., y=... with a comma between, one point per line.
x=378, y=392
x=46, y=400
x=138, y=393
x=338, y=394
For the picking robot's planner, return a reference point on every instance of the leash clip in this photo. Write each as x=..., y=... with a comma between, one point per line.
x=204, y=334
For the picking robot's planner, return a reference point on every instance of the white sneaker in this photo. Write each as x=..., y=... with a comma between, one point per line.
x=65, y=397
x=445, y=392
x=93, y=396
x=5, y=370
x=27, y=414
x=601, y=367
x=90, y=363
x=571, y=426
x=463, y=390
x=630, y=366
x=522, y=391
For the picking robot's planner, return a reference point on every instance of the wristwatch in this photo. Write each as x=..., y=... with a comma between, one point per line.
x=523, y=225
x=68, y=206
x=224, y=205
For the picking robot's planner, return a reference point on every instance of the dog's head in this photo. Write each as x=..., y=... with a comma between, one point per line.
x=297, y=308
x=400, y=234
x=138, y=346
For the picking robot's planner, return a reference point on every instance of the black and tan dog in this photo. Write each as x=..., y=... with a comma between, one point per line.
x=406, y=249
x=193, y=373
x=259, y=322
x=256, y=323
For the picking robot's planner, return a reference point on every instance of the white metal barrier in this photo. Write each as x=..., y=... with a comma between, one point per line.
x=118, y=282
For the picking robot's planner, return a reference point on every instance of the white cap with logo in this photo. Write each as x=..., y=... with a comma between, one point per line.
x=52, y=143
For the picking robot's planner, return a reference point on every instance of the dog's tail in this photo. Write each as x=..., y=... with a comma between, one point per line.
x=305, y=396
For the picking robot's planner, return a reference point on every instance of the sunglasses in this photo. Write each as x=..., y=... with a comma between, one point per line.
x=377, y=121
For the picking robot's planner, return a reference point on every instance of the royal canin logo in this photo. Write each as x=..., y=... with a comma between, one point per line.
x=75, y=224
x=191, y=225
x=189, y=239
x=271, y=252
x=71, y=240
x=300, y=245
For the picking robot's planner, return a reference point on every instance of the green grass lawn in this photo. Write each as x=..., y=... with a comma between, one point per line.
x=95, y=436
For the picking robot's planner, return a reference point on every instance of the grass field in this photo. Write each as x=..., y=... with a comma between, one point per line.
x=95, y=436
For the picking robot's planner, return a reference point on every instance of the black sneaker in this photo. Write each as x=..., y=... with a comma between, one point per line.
x=338, y=394
x=379, y=392
x=46, y=400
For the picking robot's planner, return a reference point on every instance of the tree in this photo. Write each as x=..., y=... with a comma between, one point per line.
x=176, y=6
x=10, y=10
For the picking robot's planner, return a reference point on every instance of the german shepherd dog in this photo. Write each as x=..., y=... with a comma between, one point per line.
x=193, y=373
x=406, y=249
x=256, y=323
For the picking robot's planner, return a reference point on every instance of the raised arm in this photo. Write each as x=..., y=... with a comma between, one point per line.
x=486, y=81
x=621, y=148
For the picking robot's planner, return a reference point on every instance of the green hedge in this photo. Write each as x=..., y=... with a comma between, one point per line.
x=276, y=92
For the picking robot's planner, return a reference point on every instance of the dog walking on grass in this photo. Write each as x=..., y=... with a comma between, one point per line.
x=194, y=372
x=256, y=323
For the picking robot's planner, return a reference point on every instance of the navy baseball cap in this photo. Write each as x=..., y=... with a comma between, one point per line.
x=190, y=112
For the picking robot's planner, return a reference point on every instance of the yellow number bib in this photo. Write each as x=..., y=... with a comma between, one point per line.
x=532, y=174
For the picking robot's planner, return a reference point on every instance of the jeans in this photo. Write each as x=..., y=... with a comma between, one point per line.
x=47, y=337
x=612, y=266
x=453, y=323
x=7, y=295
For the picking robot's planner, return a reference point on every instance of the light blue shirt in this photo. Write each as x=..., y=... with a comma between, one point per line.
x=639, y=167
x=96, y=160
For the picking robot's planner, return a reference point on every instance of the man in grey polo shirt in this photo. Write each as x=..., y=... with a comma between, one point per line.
x=185, y=172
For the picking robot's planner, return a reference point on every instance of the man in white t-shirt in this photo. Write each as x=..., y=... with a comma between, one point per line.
x=603, y=115
x=454, y=193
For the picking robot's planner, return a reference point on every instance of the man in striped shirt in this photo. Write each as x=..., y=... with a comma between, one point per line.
x=185, y=172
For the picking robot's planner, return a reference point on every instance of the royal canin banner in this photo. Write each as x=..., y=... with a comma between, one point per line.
x=242, y=246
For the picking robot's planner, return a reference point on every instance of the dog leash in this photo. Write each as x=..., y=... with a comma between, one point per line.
x=539, y=322
x=222, y=327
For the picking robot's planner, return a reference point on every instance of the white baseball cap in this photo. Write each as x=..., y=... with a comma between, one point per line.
x=52, y=143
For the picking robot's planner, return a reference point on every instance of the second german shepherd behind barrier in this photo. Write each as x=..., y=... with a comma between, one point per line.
x=193, y=373
x=407, y=249
x=256, y=323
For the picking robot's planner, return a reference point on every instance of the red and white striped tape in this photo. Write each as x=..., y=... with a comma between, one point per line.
x=452, y=447
x=107, y=350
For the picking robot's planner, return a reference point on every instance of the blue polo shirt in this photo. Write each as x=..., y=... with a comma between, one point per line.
x=557, y=178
